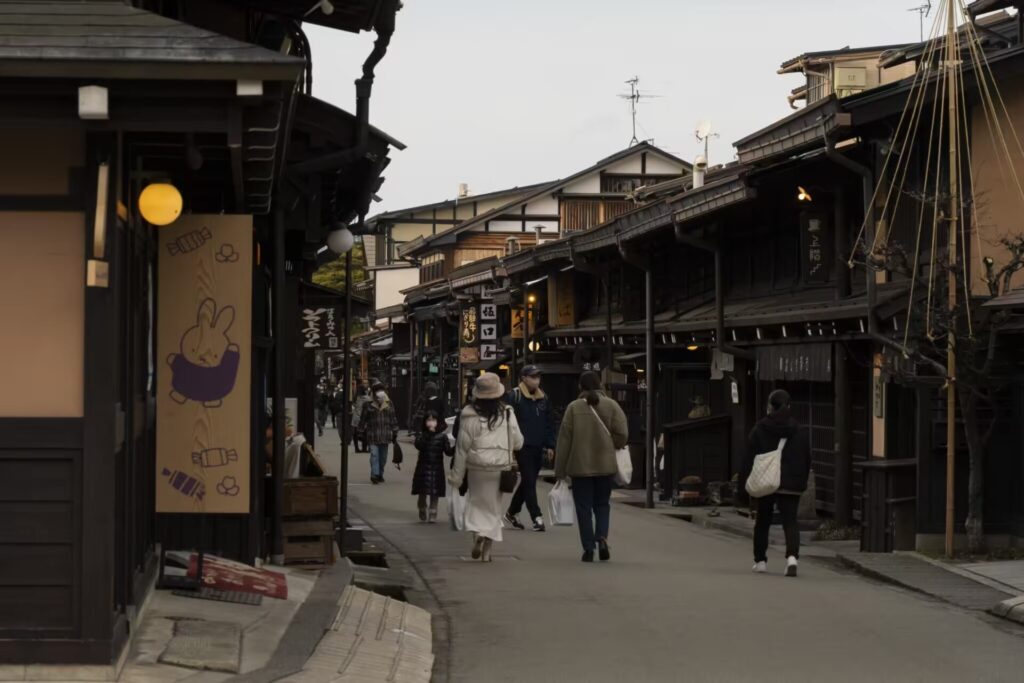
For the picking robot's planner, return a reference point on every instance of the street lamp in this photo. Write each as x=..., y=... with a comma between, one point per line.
x=340, y=241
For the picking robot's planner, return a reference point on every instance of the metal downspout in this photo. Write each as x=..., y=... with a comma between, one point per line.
x=867, y=182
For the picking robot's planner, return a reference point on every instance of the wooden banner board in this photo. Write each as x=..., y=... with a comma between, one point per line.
x=204, y=323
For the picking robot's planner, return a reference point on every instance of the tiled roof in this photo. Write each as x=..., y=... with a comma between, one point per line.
x=114, y=40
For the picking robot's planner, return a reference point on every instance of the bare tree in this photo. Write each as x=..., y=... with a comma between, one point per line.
x=982, y=373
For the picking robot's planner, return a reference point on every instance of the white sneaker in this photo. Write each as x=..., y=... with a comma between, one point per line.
x=760, y=567
x=791, y=566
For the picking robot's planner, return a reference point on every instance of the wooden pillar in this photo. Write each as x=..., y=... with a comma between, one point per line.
x=650, y=443
x=844, y=462
x=280, y=359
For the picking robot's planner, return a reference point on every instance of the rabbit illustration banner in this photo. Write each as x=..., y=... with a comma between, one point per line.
x=204, y=323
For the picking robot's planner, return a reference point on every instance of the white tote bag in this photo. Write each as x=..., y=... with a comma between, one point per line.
x=766, y=474
x=561, y=506
x=623, y=460
x=457, y=510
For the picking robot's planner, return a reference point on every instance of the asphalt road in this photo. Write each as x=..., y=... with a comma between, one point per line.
x=676, y=603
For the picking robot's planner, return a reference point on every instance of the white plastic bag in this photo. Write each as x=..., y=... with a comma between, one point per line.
x=766, y=473
x=561, y=506
x=457, y=510
x=624, y=467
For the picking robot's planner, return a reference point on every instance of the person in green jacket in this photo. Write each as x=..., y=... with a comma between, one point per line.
x=593, y=428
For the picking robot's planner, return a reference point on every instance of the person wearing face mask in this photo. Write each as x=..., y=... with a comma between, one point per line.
x=380, y=424
x=536, y=420
x=428, y=480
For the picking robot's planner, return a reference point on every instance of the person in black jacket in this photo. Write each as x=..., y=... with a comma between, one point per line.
x=428, y=481
x=537, y=423
x=796, y=466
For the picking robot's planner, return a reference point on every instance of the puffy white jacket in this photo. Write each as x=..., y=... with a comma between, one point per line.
x=482, y=448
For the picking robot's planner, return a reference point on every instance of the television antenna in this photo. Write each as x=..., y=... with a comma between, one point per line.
x=704, y=134
x=634, y=97
x=923, y=12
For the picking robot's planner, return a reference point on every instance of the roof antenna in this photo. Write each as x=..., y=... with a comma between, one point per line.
x=923, y=11
x=704, y=134
x=634, y=98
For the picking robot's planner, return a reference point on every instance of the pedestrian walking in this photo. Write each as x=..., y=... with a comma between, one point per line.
x=335, y=405
x=488, y=437
x=593, y=428
x=322, y=399
x=428, y=479
x=380, y=424
x=537, y=423
x=358, y=435
x=795, y=468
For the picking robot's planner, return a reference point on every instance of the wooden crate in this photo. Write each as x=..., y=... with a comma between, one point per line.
x=305, y=549
x=311, y=497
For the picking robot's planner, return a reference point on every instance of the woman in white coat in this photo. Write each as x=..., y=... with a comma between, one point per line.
x=488, y=438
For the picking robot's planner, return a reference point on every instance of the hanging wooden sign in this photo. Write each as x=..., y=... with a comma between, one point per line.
x=204, y=314
x=320, y=328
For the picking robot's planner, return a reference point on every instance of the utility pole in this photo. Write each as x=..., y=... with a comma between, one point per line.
x=954, y=201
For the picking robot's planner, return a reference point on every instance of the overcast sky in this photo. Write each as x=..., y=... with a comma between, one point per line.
x=496, y=93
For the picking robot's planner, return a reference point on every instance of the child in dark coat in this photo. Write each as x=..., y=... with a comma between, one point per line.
x=428, y=481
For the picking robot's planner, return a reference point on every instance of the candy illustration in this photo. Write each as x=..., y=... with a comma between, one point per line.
x=185, y=484
x=190, y=241
x=215, y=457
x=206, y=369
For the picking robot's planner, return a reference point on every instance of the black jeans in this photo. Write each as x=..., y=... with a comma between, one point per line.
x=592, y=496
x=530, y=459
x=788, y=505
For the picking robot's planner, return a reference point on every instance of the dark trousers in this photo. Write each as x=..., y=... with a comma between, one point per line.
x=788, y=505
x=530, y=459
x=592, y=496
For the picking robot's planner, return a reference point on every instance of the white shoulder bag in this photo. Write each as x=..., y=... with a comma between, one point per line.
x=766, y=474
x=623, y=460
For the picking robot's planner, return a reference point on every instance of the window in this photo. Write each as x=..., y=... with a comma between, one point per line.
x=583, y=214
x=620, y=183
x=432, y=267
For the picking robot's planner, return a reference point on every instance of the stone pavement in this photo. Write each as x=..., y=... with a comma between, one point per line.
x=913, y=572
x=677, y=602
x=373, y=638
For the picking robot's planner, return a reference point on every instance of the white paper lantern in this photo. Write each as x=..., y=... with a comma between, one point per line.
x=341, y=241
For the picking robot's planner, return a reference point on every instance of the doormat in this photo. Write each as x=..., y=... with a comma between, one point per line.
x=234, y=597
x=210, y=645
x=228, y=575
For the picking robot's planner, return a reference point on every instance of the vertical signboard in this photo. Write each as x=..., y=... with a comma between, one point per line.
x=816, y=248
x=320, y=328
x=469, y=336
x=204, y=323
x=518, y=320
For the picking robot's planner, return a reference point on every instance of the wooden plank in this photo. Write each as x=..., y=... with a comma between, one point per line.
x=39, y=433
x=36, y=565
x=30, y=522
x=36, y=480
x=24, y=608
x=311, y=527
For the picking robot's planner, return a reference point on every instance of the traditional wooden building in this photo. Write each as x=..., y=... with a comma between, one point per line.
x=146, y=222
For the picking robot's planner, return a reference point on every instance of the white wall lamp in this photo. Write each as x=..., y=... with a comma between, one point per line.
x=93, y=103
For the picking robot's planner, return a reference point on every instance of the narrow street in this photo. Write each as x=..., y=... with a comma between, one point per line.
x=676, y=603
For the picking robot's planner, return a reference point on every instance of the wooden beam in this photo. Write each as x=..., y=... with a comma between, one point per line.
x=235, y=148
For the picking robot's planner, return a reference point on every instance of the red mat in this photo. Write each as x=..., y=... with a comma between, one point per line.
x=235, y=576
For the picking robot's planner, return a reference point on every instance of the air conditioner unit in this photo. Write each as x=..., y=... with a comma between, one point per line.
x=850, y=80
